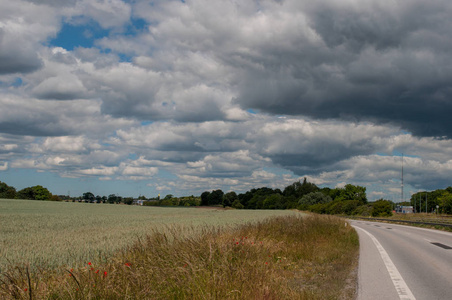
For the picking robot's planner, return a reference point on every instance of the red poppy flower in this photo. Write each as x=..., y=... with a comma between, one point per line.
x=25, y=289
x=105, y=273
x=89, y=263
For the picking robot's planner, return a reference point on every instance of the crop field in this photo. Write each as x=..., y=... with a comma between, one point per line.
x=287, y=257
x=53, y=234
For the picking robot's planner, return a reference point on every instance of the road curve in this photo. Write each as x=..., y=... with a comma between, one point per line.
x=403, y=262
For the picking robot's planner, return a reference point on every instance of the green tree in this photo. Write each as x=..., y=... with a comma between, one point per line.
x=382, y=208
x=229, y=198
x=445, y=202
x=215, y=197
x=205, y=198
x=34, y=193
x=236, y=204
x=274, y=201
x=353, y=192
x=112, y=198
x=312, y=199
x=26, y=193
x=299, y=189
x=6, y=191
x=89, y=197
x=128, y=200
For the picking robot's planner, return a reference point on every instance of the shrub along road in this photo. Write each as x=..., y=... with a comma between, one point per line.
x=402, y=262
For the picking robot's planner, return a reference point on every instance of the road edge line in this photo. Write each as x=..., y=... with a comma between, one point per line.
x=400, y=285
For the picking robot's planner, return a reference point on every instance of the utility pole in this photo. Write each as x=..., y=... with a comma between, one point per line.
x=426, y=201
x=420, y=200
x=402, y=179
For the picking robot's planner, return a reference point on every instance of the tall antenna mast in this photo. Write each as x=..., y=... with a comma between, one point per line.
x=402, y=178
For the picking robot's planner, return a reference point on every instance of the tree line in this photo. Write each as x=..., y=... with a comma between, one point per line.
x=349, y=200
x=435, y=201
x=37, y=192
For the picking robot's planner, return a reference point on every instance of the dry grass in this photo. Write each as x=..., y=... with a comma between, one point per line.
x=288, y=257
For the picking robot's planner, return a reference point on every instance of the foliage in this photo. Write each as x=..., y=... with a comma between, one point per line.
x=352, y=192
x=88, y=197
x=274, y=201
x=445, y=202
x=205, y=199
x=229, y=198
x=382, y=208
x=236, y=204
x=6, y=191
x=313, y=198
x=34, y=193
x=298, y=189
x=215, y=197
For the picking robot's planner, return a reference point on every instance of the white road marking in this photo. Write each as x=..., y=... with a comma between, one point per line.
x=400, y=285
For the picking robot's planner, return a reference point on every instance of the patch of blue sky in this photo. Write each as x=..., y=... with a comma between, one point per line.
x=16, y=82
x=132, y=156
x=383, y=154
x=54, y=183
x=251, y=111
x=278, y=171
x=125, y=57
x=396, y=152
x=137, y=24
x=73, y=36
x=75, y=187
x=145, y=123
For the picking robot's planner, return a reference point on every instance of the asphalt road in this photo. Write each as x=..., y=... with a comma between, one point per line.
x=403, y=262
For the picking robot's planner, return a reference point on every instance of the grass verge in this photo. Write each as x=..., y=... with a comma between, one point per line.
x=288, y=257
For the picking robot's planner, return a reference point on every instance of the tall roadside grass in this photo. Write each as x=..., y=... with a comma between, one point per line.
x=288, y=257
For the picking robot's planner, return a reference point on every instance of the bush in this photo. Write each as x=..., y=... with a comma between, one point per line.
x=312, y=199
x=382, y=208
x=237, y=204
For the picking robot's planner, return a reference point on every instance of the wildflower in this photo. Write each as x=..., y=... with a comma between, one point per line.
x=72, y=270
x=105, y=274
x=97, y=271
x=127, y=264
x=92, y=269
x=25, y=289
x=89, y=263
x=266, y=263
x=237, y=243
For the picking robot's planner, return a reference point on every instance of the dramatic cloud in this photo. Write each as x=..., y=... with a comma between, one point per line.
x=184, y=96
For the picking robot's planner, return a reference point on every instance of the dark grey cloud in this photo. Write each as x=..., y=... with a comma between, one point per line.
x=374, y=62
x=17, y=57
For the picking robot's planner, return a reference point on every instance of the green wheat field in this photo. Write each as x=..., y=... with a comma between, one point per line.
x=53, y=234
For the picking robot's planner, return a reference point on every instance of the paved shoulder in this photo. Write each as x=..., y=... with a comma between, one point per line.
x=402, y=262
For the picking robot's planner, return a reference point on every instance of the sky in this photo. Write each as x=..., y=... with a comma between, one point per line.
x=145, y=97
